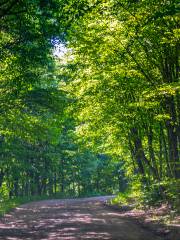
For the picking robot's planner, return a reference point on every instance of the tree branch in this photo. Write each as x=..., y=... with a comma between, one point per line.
x=5, y=12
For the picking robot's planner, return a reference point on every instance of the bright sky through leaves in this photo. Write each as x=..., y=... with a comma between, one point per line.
x=59, y=50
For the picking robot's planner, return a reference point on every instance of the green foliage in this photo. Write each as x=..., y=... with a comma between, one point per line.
x=101, y=119
x=122, y=70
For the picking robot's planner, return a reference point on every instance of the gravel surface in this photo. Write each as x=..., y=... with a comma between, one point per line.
x=73, y=219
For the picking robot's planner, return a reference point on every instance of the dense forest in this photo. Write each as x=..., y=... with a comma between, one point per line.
x=89, y=96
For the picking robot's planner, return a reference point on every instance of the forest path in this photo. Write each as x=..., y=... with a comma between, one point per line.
x=72, y=219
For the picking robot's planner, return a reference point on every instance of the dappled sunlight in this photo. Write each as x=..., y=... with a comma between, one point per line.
x=111, y=214
x=12, y=238
x=4, y=226
x=65, y=222
x=94, y=235
x=71, y=219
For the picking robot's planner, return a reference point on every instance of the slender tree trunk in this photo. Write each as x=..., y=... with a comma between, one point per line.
x=172, y=137
x=55, y=183
x=137, y=153
x=50, y=185
x=165, y=152
x=140, y=157
x=62, y=176
x=1, y=177
x=160, y=155
x=151, y=150
x=16, y=187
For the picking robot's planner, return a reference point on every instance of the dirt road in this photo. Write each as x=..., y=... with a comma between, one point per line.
x=70, y=219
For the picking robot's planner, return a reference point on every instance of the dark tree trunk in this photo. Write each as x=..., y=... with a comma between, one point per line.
x=171, y=126
x=140, y=157
x=1, y=177
x=151, y=150
x=16, y=187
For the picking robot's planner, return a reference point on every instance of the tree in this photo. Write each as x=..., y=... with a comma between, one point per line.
x=124, y=74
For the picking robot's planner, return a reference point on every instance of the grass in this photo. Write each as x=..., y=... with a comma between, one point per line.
x=127, y=198
x=7, y=205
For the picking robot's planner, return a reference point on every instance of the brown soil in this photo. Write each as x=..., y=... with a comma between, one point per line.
x=72, y=219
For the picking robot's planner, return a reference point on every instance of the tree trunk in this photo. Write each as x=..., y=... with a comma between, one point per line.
x=151, y=150
x=140, y=155
x=1, y=177
x=171, y=126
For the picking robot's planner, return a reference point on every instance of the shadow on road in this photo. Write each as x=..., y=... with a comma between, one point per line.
x=70, y=219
